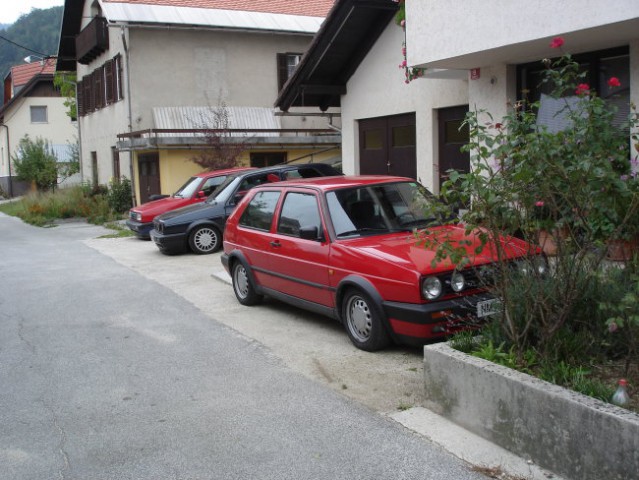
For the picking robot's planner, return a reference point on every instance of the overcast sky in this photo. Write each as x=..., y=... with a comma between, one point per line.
x=10, y=10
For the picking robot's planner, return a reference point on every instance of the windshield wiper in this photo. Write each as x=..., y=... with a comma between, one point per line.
x=362, y=230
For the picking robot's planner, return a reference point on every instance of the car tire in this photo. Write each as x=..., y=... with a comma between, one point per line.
x=243, y=286
x=205, y=239
x=363, y=321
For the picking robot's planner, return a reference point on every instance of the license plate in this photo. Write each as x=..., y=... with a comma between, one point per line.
x=488, y=307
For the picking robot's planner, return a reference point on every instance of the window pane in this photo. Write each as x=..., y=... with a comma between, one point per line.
x=454, y=134
x=404, y=136
x=259, y=212
x=373, y=139
x=39, y=114
x=299, y=210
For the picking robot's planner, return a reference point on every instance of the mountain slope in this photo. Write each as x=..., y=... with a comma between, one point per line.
x=36, y=33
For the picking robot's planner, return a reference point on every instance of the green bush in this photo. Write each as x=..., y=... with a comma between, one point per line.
x=119, y=195
x=34, y=162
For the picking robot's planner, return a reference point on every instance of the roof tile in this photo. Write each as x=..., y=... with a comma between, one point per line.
x=21, y=74
x=311, y=8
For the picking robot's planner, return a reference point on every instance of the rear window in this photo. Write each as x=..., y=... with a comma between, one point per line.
x=259, y=212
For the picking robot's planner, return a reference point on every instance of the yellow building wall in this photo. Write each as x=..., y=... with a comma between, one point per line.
x=176, y=166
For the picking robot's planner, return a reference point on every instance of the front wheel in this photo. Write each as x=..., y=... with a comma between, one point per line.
x=242, y=285
x=363, y=321
x=205, y=239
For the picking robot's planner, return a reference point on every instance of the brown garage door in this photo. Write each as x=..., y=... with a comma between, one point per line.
x=387, y=146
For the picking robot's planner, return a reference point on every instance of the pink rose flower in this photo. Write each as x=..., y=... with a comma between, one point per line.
x=614, y=82
x=557, y=42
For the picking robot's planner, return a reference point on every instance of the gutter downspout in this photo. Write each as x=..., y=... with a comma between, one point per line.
x=123, y=31
x=9, y=157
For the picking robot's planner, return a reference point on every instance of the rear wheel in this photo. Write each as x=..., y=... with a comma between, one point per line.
x=205, y=239
x=363, y=321
x=242, y=285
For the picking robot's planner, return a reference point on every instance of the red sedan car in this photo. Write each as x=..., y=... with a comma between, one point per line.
x=350, y=248
x=195, y=190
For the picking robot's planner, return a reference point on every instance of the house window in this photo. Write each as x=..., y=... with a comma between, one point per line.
x=267, y=159
x=39, y=114
x=286, y=64
x=101, y=88
x=598, y=67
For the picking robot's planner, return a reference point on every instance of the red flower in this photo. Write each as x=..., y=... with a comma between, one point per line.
x=557, y=42
x=614, y=82
x=582, y=89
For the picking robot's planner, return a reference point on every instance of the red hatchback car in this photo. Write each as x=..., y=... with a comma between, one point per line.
x=349, y=248
x=196, y=189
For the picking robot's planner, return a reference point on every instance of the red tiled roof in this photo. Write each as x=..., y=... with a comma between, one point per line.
x=21, y=74
x=311, y=8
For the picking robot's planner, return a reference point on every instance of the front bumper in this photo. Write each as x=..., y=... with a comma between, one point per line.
x=142, y=230
x=170, y=244
x=413, y=323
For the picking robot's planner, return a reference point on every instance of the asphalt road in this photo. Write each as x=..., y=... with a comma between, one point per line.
x=108, y=374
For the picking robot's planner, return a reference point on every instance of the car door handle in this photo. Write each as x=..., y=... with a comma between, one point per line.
x=275, y=244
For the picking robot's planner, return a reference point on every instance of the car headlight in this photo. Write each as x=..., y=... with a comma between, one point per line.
x=138, y=216
x=457, y=281
x=431, y=288
x=540, y=264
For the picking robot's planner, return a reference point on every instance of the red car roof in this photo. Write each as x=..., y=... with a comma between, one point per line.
x=342, y=181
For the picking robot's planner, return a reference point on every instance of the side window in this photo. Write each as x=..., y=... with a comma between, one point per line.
x=299, y=210
x=38, y=114
x=259, y=212
x=286, y=64
x=211, y=183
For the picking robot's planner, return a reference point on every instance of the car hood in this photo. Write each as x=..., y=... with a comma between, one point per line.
x=156, y=207
x=190, y=212
x=417, y=251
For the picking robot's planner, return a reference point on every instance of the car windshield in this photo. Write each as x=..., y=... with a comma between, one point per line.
x=383, y=208
x=188, y=189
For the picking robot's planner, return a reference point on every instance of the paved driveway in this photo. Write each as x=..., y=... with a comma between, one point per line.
x=108, y=374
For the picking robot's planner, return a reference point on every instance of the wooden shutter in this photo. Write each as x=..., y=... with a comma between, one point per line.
x=98, y=92
x=109, y=82
x=282, y=70
x=87, y=87
x=80, y=99
x=118, y=77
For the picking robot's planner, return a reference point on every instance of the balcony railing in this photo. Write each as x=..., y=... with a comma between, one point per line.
x=92, y=40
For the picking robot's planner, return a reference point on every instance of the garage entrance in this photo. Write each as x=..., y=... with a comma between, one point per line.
x=387, y=146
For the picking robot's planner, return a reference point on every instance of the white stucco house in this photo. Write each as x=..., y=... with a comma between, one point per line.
x=479, y=54
x=32, y=106
x=151, y=71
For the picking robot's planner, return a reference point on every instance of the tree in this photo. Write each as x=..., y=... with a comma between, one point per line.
x=35, y=162
x=66, y=83
x=222, y=149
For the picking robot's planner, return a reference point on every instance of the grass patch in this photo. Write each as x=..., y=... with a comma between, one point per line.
x=43, y=209
x=119, y=231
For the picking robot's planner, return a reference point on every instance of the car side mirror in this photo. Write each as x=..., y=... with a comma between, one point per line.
x=201, y=194
x=237, y=197
x=310, y=233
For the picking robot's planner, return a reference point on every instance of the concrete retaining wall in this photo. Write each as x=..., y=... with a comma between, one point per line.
x=573, y=435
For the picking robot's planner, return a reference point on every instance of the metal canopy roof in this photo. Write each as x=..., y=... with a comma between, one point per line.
x=346, y=36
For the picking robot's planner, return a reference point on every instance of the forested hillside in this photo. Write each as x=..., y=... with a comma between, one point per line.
x=38, y=31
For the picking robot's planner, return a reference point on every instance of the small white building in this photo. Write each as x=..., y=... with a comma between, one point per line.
x=32, y=106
